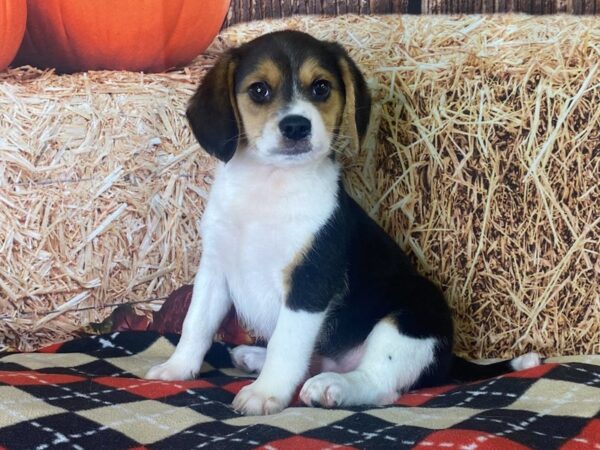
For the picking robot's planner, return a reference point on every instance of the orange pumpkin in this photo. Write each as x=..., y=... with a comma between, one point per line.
x=13, y=16
x=140, y=35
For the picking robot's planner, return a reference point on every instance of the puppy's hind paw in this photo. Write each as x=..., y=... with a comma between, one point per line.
x=326, y=389
x=249, y=358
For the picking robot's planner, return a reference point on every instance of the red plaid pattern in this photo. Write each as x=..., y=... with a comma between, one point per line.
x=88, y=394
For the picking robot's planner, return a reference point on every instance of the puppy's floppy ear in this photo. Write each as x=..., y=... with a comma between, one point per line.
x=212, y=111
x=357, y=109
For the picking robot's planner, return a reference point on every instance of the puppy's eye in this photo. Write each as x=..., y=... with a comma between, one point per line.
x=260, y=92
x=320, y=89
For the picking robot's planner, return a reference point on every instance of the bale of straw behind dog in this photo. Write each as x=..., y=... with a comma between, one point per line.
x=483, y=162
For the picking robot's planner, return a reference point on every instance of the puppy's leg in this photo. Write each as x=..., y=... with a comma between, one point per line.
x=391, y=364
x=209, y=305
x=287, y=361
x=249, y=358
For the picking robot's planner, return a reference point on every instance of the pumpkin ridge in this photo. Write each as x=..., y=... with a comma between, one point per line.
x=167, y=45
x=13, y=19
x=122, y=35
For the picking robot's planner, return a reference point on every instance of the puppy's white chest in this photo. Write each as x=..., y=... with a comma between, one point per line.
x=260, y=219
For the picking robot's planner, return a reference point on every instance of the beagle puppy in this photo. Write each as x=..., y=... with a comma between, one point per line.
x=305, y=267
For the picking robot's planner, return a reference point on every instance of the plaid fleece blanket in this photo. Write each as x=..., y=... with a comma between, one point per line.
x=87, y=394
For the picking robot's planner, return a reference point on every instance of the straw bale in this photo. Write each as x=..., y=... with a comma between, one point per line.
x=483, y=162
x=101, y=186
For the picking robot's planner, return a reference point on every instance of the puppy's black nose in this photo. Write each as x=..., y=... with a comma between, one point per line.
x=295, y=127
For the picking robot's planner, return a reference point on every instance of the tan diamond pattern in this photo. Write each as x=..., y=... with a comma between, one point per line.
x=18, y=406
x=146, y=421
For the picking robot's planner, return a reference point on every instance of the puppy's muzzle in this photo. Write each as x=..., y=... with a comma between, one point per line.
x=295, y=128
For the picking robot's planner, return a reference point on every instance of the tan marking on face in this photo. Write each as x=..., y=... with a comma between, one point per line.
x=331, y=110
x=254, y=116
x=311, y=71
x=349, y=121
x=266, y=71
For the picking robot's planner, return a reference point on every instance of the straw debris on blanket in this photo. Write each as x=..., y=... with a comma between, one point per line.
x=483, y=162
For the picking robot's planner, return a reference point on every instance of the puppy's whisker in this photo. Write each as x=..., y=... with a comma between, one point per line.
x=237, y=137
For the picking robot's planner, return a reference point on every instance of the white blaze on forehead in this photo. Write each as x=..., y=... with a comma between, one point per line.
x=301, y=108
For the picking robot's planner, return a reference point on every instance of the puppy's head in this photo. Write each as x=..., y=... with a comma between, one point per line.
x=283, y=98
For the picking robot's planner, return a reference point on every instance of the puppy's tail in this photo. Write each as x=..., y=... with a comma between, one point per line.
x=464, y=371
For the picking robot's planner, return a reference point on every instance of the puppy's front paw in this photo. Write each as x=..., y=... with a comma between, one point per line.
x=326, y=389
x=173, y=370
x=254, y=401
